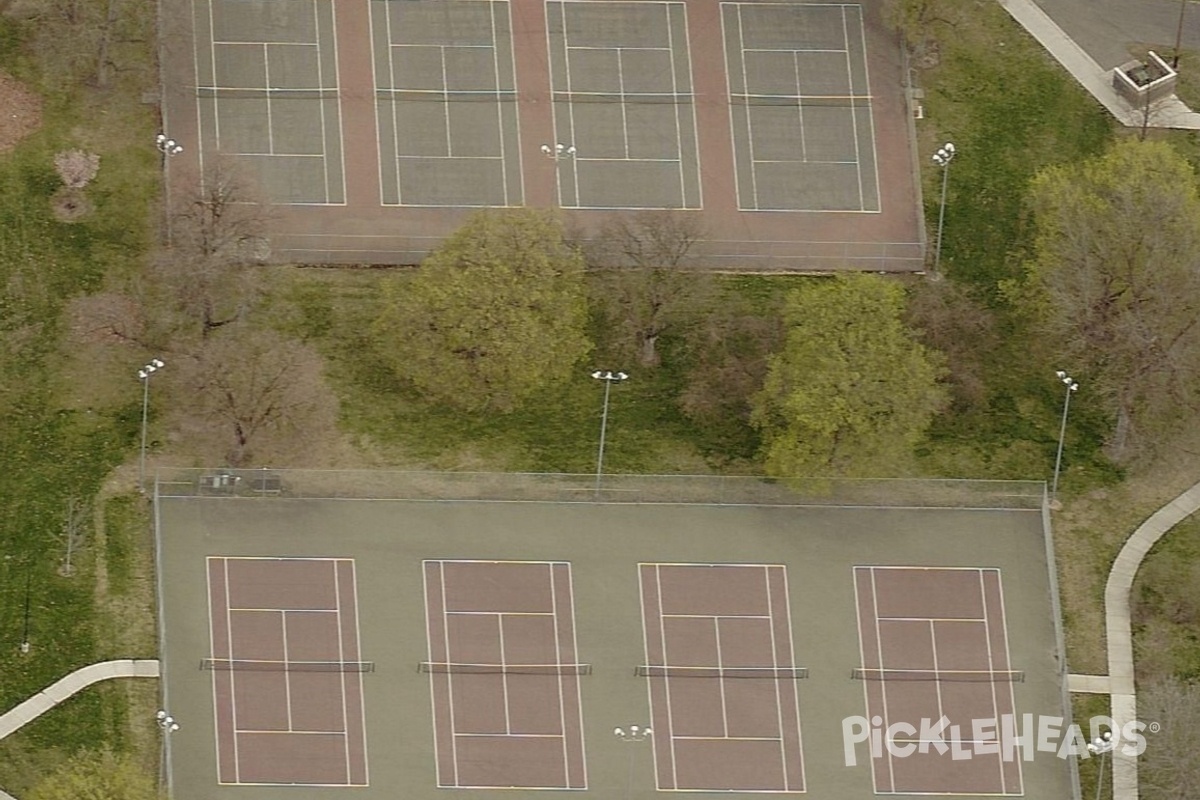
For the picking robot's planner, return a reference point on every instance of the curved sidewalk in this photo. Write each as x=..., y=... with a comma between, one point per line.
x=76, y=681
x=1119, y=682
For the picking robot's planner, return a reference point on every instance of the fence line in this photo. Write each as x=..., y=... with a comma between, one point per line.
x=572, y=488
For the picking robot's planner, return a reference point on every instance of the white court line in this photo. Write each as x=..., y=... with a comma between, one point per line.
x=337, y=590
x=499, y=112
x=797, y=161
x=687, y=43
x=862, y=31
x=215, y=110
x=492, y=560
x=450, y=677
x=237, y=758
x=791, y=643
x=854, y=124
x=391, y=79
x=749, y=116
x=794, y=49
x=675, y=91
x=212, y=643
x=667, y=684
x=701, y=563
x=720, y=678
x=641, y=579
x=775, y=684
x=362, y=700
x=1012, y=697
x=300, y=733
x=729, y=739
x=862, y=659
x=512, y=736
x=265, y=41
x=449, y=158
x=987, y=637
x=934, y=619
x=800, y=107
x=562, y=710
x=324, y=152
x=518, y=155
x=446, y=101
x=717, y=615
x=936, y=684
x=506, y=613
x=378, y=137
x=287, y=676
x=305, y=610
x=437, y=761
x=577, y=687
x=882, y=684
x=566, y=42
x=503, y=675
x=647, y=48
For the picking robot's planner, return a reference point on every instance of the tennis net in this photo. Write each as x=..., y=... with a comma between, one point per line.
x=257, y=665
x=764, y=673
x=455, y=668
x=943, y=675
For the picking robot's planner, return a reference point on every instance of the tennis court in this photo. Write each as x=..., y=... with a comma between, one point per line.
x=446, y=92
x=934, y=644
x=267, y=93
x=376, y=127
x=286, y=673
x=720, y=665
x=311, y=645
x=800, y=107
x=504, y=673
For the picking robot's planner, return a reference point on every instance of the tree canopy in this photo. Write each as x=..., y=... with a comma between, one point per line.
x=1115, y=284
x=492, y=317
x=852, y=391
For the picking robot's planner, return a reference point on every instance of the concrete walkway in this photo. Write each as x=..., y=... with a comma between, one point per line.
x=80, y=679
x=1119, y=630
x=1169, y=113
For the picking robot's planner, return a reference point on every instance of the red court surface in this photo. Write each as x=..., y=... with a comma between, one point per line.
x=722, y=678
x=287, y=677
x=935, y=643
x=504, y=674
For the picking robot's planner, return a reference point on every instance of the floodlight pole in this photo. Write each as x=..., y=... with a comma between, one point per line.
x=24, y=648
x=1179, y=34
x=1072, y=387
x=168, y=725
x=1102, y=745
x=942, y=158
x=633, y=735
x=144, y=374
x=558, y=151
x=609, y=379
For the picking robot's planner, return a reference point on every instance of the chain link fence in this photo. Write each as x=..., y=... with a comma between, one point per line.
x=569, y=488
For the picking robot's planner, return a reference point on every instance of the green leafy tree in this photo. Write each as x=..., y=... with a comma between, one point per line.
x=492, y=317
x=852, y=391
x=1115, y=285
x=97, y=775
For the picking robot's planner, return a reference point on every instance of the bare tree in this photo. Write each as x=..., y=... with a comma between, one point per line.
x=948, y=319
x=648, y=279
x=217, y=239
x=251, y=387
x=1169, y=767
x=76, y=525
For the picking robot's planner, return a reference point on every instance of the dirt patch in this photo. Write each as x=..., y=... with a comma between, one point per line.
x=20, y=112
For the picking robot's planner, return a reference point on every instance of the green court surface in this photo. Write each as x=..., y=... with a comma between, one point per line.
x=811, y=552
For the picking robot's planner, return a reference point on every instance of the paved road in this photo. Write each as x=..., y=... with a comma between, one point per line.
x=1108, y=29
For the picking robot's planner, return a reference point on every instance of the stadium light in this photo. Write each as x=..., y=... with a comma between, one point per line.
x=609, y=379
x=558, y=151
x=1103, y=745
x=942, y=158
x=169, y=726
x=633, y=735
x=1072, y=387
x=166, y=722
x=166, y=146
x=144, y=374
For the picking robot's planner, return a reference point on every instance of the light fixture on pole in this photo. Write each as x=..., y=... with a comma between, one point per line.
x=144, y=374
x=942, y=158
x=558, y=151
x=167, y=146
x=632, y=735
x=1179, y=34
x=1072, y=387
x=168, y=725
x=1103, y=745
x=609, y=379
